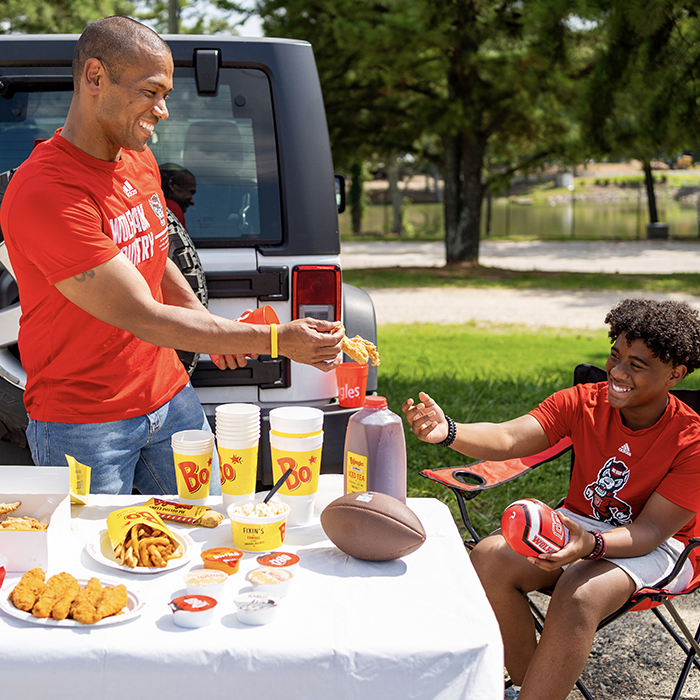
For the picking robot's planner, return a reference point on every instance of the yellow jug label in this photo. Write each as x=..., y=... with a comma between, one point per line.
x=356, y=473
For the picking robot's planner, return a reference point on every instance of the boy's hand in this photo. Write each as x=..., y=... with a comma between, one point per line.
x=426, y=419
x=580, y=544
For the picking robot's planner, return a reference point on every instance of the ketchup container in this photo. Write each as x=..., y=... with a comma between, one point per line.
x=375, y=451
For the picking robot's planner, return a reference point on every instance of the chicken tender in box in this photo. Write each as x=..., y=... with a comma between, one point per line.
x=43, y=496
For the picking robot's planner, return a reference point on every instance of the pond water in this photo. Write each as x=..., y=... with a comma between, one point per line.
x=566, y=219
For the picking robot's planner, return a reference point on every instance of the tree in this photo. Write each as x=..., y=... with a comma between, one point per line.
x=642, y=98
x=188, y=16
x=59, y=16
x=487, y=77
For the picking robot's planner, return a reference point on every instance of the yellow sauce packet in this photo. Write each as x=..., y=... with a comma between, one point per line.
x=79, y=481
x=178, y=512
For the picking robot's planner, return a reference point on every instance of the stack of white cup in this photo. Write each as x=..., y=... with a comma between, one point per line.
x=296, y=441
x=237, y=439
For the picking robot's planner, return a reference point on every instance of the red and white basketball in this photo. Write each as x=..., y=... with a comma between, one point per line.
x=531, y=527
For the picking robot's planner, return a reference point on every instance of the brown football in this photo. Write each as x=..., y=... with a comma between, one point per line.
x=372, y=526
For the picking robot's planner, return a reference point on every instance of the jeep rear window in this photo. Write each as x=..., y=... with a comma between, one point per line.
x=227, y=141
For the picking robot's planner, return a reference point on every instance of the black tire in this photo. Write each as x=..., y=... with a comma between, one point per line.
x=183, y=253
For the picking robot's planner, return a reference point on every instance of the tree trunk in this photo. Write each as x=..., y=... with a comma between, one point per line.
x=651, y=196
x=356, y=195
x=395, y=195
x=464, y=193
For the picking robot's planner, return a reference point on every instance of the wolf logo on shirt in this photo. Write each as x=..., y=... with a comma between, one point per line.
x=602, y=494
x=157, y=207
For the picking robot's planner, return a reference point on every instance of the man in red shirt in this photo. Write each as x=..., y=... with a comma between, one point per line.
x=102, y=305
x=632, y=501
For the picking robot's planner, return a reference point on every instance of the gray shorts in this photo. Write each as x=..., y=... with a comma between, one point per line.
x=650, y=568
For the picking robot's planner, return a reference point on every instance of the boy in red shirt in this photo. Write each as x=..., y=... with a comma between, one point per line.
x=632, y=500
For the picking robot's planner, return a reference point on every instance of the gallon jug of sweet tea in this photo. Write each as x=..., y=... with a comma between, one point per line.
x=375, y=451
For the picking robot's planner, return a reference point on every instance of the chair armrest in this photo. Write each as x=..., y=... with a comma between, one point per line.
x=693, y=543
x=471, y=479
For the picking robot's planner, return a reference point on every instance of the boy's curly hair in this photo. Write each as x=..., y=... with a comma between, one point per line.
x=670, y=329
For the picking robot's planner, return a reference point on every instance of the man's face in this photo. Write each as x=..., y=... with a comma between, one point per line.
x=636, y=379
x=129, y=109
x=184, y=191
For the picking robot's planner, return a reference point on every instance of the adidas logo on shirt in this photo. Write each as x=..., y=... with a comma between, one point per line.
x=129, y=190
x=625, y=449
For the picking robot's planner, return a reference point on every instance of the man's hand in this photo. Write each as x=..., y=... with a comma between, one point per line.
x=311, y=342
x=232, y=361
x=426, y=419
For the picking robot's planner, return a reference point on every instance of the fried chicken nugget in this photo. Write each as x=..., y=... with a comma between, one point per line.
x=112, y=601
x=57, y=587
x=360, y=350
x=84, y=607
x=63, y=605
x=7, y=508
x=25, y=594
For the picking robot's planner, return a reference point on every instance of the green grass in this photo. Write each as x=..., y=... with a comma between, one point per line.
x=478, y=276
x=477, y=375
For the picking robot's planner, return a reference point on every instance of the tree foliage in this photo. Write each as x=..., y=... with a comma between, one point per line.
x=488, y=78
x=58, y=16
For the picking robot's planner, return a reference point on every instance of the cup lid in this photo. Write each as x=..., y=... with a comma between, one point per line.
x=296, y=419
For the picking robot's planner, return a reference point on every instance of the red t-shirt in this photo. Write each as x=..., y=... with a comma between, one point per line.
x=617, y=469
x=66, y=212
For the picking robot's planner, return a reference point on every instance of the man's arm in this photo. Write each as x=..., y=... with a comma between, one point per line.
x=498, y=441
x=116, y=293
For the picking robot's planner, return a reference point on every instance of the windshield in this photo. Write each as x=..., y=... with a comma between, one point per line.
x=226, y=143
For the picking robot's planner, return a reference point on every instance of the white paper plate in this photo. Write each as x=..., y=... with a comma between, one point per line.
x=133, y=608
x=100, y=549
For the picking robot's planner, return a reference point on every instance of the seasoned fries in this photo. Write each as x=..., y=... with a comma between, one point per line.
x=146, y=546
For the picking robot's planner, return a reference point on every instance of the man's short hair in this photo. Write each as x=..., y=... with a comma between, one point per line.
x=114, y=41
x=670, y=329
x=173, y=172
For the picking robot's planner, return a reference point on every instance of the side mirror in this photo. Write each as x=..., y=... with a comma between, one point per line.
x=340, y=193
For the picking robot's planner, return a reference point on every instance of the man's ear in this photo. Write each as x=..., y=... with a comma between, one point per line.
x=93, y=76
x=677, y=373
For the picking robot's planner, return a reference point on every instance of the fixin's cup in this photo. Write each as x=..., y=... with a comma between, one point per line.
x=303, y=455
x=258, y=526
x=352, y=384
x=193, y=452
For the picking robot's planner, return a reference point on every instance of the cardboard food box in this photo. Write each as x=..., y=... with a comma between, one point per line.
x=44, y=493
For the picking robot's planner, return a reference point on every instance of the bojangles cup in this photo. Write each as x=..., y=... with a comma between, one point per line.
x=193, y=452
x=237, y=439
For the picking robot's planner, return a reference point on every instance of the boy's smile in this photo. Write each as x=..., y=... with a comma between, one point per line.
x=639, y=382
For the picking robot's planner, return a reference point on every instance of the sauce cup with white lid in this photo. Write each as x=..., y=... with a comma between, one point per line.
x=267, y=579
x=209, y=582
x=256, y=608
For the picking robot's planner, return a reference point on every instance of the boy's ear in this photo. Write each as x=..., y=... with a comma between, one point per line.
x=677, y=373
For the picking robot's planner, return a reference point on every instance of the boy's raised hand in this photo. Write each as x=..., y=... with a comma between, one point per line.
x=426, y=419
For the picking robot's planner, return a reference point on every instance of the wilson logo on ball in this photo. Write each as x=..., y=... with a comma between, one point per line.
x=530, y=527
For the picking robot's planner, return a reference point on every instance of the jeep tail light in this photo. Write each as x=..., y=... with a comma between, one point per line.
x=316, y=291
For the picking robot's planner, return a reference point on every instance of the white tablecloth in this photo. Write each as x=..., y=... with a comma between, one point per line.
x=419, y=627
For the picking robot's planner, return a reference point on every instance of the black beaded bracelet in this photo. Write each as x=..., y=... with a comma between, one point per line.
x=599, y=549
x=451, y=433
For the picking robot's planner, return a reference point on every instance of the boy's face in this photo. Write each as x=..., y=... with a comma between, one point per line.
x=638, y=382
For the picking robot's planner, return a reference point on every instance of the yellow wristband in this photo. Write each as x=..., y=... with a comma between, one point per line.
x=273, y=340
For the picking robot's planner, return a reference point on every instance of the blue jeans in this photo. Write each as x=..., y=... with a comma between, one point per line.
x=124, y=453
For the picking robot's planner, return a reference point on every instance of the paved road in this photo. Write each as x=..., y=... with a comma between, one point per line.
x=584, y=310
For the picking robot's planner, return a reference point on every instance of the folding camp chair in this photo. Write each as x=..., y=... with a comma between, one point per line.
x=468, y=481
